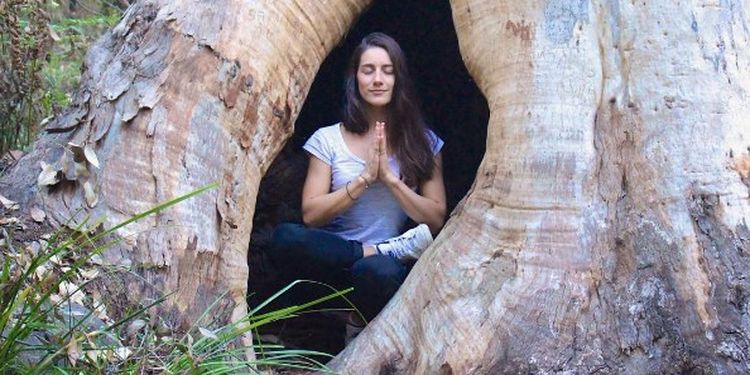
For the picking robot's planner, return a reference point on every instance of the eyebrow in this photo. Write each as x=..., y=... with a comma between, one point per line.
x=372, y=66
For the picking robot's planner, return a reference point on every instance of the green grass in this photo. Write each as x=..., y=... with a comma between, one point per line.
x=31, y=324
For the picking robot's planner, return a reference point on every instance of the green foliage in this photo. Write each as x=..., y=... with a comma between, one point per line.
x=40, y=63
x=41, y=332
x=24, y=44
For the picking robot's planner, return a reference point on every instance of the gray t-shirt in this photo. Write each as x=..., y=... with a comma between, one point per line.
x=376, y=215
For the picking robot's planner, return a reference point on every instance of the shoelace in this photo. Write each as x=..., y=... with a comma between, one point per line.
x=398, y=245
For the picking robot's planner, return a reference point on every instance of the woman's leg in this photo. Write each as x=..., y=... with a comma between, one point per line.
x=313, y=252
x=376, y=279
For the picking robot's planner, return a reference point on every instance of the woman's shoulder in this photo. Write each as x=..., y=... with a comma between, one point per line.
x=328, y=129
x=324, y=137
x=436, y=143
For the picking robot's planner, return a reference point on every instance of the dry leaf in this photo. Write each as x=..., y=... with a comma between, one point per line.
x=89, y=274
x=41, y=271
x=56, y=260
x=123, y=352
x=37, y=214
x=53, y=34
x=90, y=155
x=93, y=354
x=73, y=352
x=99, y=308
x=8, y=220
x=49, y=175
x=96, y=259
x=55, y=298
x=70, y=290
x=135, y=326
x=69, y=167
x=45, y=121
x=91, y=198
x=8, y=204
x=208, y=333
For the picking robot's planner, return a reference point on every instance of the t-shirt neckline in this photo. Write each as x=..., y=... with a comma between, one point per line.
x=351, y=154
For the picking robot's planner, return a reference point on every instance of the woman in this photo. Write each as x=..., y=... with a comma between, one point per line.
x=366, y=177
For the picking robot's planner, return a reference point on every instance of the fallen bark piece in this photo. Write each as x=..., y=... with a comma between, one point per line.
x=8, y=204
x=38, y=215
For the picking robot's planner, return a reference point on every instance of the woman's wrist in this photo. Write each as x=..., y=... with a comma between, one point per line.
x=366, y=179
x=390, y=180
x=359, y=183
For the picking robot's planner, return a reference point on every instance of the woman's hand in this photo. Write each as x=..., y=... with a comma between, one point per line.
x=385, y=173
x=372, y=164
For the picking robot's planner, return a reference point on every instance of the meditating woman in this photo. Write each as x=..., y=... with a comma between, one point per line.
x=367, y=176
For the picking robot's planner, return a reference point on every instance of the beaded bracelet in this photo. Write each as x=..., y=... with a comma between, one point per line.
x=367, y=183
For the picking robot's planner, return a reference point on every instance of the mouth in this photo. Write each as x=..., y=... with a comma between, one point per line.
x=378, y=92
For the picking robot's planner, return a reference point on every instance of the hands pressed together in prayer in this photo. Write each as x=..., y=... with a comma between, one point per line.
x=377, y=167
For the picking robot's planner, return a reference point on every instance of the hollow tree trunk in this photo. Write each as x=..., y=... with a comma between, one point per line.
x=607, y=222
x=178, y=95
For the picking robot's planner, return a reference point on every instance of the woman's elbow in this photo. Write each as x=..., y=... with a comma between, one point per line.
x=311, y=220
x=438, y=222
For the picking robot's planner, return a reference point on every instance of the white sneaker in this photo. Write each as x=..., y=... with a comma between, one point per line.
x=409, y=245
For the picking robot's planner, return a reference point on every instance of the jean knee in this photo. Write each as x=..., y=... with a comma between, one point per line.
x=380, y=272
x=287, y=235
x=285, y=240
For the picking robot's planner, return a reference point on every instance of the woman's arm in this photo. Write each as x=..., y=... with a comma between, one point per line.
x=319, y=204
x=428, y=208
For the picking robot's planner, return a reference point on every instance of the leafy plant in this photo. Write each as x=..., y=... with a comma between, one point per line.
x=216, y=352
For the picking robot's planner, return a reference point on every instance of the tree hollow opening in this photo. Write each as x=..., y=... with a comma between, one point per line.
x=453, y=106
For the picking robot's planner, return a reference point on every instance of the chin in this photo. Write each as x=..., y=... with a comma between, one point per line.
x=379, y=102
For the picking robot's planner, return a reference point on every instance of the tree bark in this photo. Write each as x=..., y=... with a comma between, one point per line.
x=608, y=220
x=607, y=224
x=178, y=95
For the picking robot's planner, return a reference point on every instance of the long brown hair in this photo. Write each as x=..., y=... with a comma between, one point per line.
x=406, y=130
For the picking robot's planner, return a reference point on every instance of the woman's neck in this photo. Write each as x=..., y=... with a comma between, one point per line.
x=374, y=115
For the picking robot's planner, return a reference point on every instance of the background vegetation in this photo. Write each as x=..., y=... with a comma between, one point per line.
x=42, y=47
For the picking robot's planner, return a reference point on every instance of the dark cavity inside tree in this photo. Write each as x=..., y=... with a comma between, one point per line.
x=453, y=106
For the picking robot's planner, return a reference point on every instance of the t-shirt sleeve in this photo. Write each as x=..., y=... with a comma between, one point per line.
x=435, y=142
x=319, y=147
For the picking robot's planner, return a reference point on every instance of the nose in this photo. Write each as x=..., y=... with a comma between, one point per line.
x=378, y=78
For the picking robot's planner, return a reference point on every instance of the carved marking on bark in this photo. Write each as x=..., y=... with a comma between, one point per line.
x=521, y=29
x=249, y=121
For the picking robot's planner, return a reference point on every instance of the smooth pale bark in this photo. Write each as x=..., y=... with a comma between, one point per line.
x=606, y=229
x=178, y=95
x=608, y=220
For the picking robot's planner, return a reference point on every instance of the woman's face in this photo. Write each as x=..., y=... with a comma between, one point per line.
x=375, y=78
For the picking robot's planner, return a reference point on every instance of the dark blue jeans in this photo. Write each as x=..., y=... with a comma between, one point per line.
x=314, y=254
